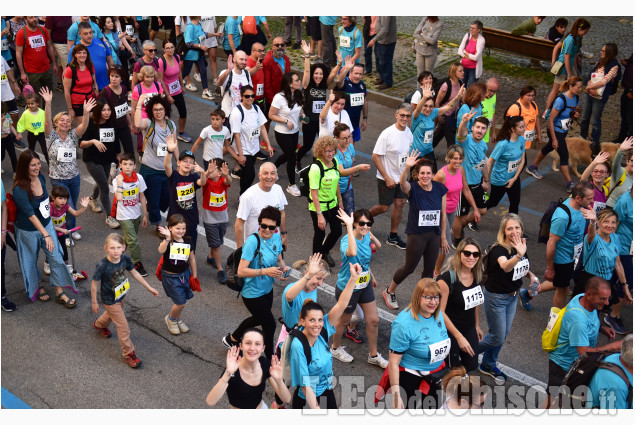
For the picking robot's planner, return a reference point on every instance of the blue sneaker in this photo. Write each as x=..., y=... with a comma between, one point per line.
x=184, y=137
x=222, y=276
x=570, y=186
x=499, y=377
x=211, y=261
x=525, y=299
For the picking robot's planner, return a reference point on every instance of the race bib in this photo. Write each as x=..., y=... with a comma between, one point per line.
x=480, y=165
x=402, y=160
x=66, y=155
x=129, y=30
x=429, y=218
x=121, y=289
x=131, y=193
x=5, y=44
x=317, y=106
x=512, y=166
x=121, y=110
x=260, y=89
x=174, y=87
x=598, y=206
x=45, y=208
x=345, y=41
x=439, y=350
x=162, y=149
x=4, y=77
x=529, y=135
x=36, y=41
x=185, y=192
x=217, y=199
x=553, y=318
x=565, y=124
x=179, y=251
x=59, y=221
x=521, y=268
x=577, y=250
x=362, y=280
x=201, y=39
x=473, y=297
x=254, y=134
x=357, y=99
x=106, y=135
x=150, y=96
x=427, y=137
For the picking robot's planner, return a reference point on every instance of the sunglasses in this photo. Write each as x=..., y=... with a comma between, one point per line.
x=265, y=227
x=279, y=44
x=249, y=96
x=152, y=50
x=469, y=254
x=368, y=224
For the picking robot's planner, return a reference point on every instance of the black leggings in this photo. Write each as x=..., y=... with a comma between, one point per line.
x=100, y=173
x=309, y=132
x=249, y=173
x=179, y=102
x=318, y=235
x=125, y=137
x=426, y=244
x=410, y=384
x=445, y=129
x=260, y=309
x=562, y=150
x=497, y=192
x=41, y=139
x=459, y=357
x=288, y=144
x=325, y=401
x=7, y=145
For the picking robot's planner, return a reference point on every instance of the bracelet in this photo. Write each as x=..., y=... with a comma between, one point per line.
x=306, y=56
x=231, y=375
x=283, y=233
x=623, y=283
x=170, y=151
x=364, y=118
x=47, y=236
x=139, y=107
x=4, y=231
x=358, y=168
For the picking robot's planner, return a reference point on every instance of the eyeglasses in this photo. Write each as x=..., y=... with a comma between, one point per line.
x=329, y=151
x=368, y=224
x=430, y=298
x=158, y=109
x=469, y=254
x=168, y=47
x=349, y=137
x=279, y=45
x=152, y=50
x=249, y=96
x=265, y=227
x=405, y=115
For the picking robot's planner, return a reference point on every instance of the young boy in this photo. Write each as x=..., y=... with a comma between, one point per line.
x=214, y=213
x=131, y=202
x=111, y=272
x=215, y=137
x=182, y=185
x=556, y=32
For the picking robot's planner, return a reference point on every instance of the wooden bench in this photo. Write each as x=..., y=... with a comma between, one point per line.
x=524, y=45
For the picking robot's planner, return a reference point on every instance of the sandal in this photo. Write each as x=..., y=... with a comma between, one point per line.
x=42, y=295
x=69, y=303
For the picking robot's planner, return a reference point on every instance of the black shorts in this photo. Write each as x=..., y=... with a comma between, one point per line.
x=79, y=110
x=556, y=376
x=563, y=273
x=361, y=296
x=388, y=195
x=12, y=106
x=479, y=197
x=315, y=29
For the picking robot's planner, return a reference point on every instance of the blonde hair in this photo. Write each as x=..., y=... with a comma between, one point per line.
x=324, y=267
x=500, y=237
x=147, y=70
x=461, y=386
x=425, y=286
x=606, y=214
x=452, y=150
x=454, y=262
x=114, y=237
x=322, y=144
x=59, y=115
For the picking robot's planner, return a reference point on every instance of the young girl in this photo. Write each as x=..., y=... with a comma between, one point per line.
x=32, y=120
x=59, y=208
x=114, y=285
x=178, y=259
x=8, y=136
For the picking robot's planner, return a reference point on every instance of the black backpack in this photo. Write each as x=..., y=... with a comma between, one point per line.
x=520, y=111
x=437, y=86
x=408, y=98
x=155, y=62
x=181, y=46
x=165, y=62
x=74, y=81
x=304, y=178
x=228, y=82
x=234, y=282
x=545, y=221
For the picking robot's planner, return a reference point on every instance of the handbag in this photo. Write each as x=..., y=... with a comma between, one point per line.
x=557, y=66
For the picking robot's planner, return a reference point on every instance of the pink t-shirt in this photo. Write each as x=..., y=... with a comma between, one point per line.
x=144, y=89
x=59, y=216
x=471, y=49
x=454, y=183
x=171, y=76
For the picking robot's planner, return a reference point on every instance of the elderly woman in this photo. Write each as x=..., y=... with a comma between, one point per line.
x=471, y=52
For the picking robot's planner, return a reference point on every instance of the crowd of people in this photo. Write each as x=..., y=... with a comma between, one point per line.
x=117, y=89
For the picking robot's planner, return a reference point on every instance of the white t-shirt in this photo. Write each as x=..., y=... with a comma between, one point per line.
x=253, y=201
x=393, y=146
x=209, y=26
x=213, y=142
x=416, y=97
x=293, y=115
x=130, y=207
x=229, y=102
x=326, y=129
x=249, y=129
x=7, y=94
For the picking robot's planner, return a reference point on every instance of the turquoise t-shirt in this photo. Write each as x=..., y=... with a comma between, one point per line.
x=568, y=47
x=194, y=34
x=570, y=241
x=362, y=258
x=607, y=390
x=232, y=26
x=4, y=197
x=579, y=328
x=291, y=310
x=73, y=32
x=328, y=20
x=346, y=158
x=475, y=159
x=624, y=209
x=422, y=132
x=599, y=256
x=508, y=155
x=255, y=287
x=349, y=41
x=419, y=341
x=319, y=374
x=6, y=53
x=464, y=109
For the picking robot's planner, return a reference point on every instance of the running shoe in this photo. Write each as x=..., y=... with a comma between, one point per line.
x=340, y=354
x=173, y=325
x=570, y=186
x=94, y=205
x=378, y=360
x=103, y=332
x=533, y=171
x=229, y=342
x=7, y=305
x=76, y=236
x=472, y=226
x=616, y=323
x=293, y=190
x=112, y=223
x=191, y=87
x=182, y=326
x=498, y=376
x=353, y=335
x=390, y=299
x=197, y=77
x=396, y=241
x=132, y=360
x=525, y=299
x=184, y=137
x=139, y=268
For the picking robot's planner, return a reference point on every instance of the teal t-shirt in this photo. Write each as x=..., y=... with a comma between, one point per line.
x=346, y=158
x=624, y=209
x=423, y=131
x=362, y=258
x=464, y=109
x=570, y=244
x=194, y=34
x=232, y=26
x=349, y=41
x=475, y=159
x=255, y=287
x=508, y=155
x=571, y=48
x=599, y=256
x=291, y=310
x=607, y=390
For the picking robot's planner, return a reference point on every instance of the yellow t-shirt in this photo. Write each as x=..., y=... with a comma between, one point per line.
x=327, y=191
x=32, y=123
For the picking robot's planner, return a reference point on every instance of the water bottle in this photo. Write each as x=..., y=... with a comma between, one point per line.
x=486, y=196
x=533, y=288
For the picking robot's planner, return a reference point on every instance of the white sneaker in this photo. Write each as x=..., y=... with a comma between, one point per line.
x=341, y=354
x=197, y=77
x=70, y=268
x=378, y=360
x=207, y=95
x=191, y=87
x=69, y=242
x=76, y=236
x=293, y=190
x=112, y=223
x=182, y=326
x=47, y=268
x=173, y=326
x=94, y=205
x=215, y=82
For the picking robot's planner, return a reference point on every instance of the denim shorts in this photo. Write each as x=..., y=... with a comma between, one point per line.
x=348, y=201
x=177, y=286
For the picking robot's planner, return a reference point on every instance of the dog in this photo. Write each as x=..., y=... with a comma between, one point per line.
x=580, y=153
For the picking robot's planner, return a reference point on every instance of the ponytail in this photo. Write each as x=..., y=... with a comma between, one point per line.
x=572, y=81
x=509, y=125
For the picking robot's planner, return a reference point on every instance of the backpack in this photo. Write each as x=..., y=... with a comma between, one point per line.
x=250, y=27
x=12, y=213
x=408, y=98
x=564, y=100
x=552, y=331
x=228, y=81
x=437, y=86
x=26, y=38
x=181, y=47
x=165, y=62
x=451, y=282
x=234, y=282
x=286, y=350
x=74, y=80
x=138, y=87
x=141, y=63
x=151, y=131
x=242, y=111
x=304, y=178
x=545, y=221
x=520, y=111
x=355, y=32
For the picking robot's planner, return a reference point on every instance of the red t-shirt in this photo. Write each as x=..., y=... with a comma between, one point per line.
x=34, y=55
x=215, y=195
x=83, y=86
x=257, y=79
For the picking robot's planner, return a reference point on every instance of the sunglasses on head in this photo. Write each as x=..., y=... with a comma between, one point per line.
x=468, y=254
x=365, y=224
x=265, y=227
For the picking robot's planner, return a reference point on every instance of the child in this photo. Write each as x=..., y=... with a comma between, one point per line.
x=32, y=120
x=130, y=203
x=214, y=213
x=215, y=137
x=178, y=260
x=8, y=136
x=556, y=32
x=182, y=184
x=59, y=207
x=114, y=285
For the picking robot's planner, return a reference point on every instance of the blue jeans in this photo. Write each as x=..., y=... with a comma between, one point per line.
x=385, y=53
x=72, y=185
x=29, y=244
x=592, y=111
x=469, y=77
x=348, y=201
x=202, y=67
x=499, y=311
x=157, y=193
x=368, y=55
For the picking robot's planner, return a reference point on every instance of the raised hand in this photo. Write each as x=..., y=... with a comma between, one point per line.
x=46, y=94
x=89, y=105
x=233, y=360
x=412, y=158
x=230, y=62
x=349, y=60
x=84, y=201
x=171, y=141
x=520, y=244
x=224, y=169
x=426, y=91
x=198, y=168
x=338, y=56
x=306, y=47
x=356, y=270
x=468, y=115
x=601, y=157
x=588, y=214
x=165, y=232
x=276, y=369
x=315, y=264
x=347, y=219
x=332, y=96
x=627, y=144
x=461, y=91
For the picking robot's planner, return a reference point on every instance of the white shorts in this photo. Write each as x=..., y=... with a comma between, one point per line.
x=62, y=54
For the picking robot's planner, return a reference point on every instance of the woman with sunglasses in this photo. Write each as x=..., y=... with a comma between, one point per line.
x=116, y=96
x=355, y=248
x=259, y=268
x=507, y=262
x=172, y=82
x=247, y=122
x=345, y=157
x=461, y=296
x=334, y=113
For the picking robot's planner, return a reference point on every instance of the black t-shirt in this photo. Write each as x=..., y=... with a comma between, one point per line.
x=183, y=196
x=243, y=395
x=180, y=252
x=113, y=281
x=455, y=308
x=500, y=282
x=314, y=101
x=105, y=133
x=118, y=104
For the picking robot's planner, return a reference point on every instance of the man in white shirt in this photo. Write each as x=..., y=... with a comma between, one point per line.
x=238, y=76
x=389, y=156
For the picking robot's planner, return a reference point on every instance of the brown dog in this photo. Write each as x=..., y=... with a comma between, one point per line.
x=580, y=153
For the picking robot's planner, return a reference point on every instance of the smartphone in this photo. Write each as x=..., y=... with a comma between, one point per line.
x=286, y=273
